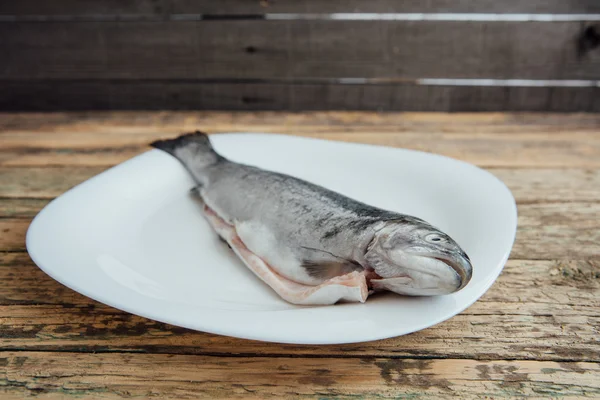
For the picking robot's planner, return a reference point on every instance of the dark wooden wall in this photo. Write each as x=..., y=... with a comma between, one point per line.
x=439, y=55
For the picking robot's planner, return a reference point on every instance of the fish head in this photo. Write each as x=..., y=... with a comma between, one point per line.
x=414, y=258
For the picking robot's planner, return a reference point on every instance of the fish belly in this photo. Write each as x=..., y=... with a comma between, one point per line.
x=351, y=287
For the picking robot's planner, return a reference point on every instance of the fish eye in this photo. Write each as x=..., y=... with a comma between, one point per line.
x=435, y=238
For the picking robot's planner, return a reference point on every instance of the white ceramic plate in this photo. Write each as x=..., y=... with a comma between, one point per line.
x=133, y=238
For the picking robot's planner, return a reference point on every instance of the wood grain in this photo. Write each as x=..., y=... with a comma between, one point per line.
x=554, y=317
x=529, y=185
x=114, y=124
x=491, y=335
x=42, y=182
x=566, y=148
x=534, y=333
x=293, y=49
x=233, y=7
x=546, y=231
x=548, y=287
x=386, y=6
x=13, y=234
x=83, y=7
x=21, y=208
x=189, y=376
x=61, y=95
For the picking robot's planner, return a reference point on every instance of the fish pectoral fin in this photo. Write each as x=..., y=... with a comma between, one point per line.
x=328, y=269
x=196, y=190
x=322, y=264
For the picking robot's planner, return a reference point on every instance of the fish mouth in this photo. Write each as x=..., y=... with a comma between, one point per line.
x=461, y=265
x=418, y=270
x=434, y=274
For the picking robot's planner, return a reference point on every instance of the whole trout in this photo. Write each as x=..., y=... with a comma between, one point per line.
x=312, y=245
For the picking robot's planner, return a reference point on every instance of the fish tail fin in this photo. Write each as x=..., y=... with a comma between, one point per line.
x=193, y=150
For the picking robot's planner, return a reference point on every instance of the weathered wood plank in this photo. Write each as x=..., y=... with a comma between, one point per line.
x=385, y=6
x=550, y=287
x=441, y=98
x=37, y=182
x=84, y=7
x=560, y=230
x=552, y=284
x=537, y=310
x=546, y=231
x=114, y=124
x=187, y=376
x=12, y=237
x=21, y=208
x=228, y=7
x=107, y=138
x=49, y=95
x=544, y=310
x=563, y=148
x=244, y=49
x=96, y=328
x=528, y=185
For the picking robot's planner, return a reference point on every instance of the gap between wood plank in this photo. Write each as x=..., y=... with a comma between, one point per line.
x=441, y=17
x=291, y=355
x=389, y=81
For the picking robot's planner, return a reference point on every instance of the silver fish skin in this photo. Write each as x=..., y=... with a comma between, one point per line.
x=310, y=234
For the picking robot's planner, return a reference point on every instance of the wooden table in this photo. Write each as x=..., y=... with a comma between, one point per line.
x=535, y=333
